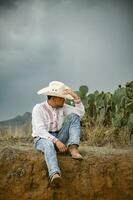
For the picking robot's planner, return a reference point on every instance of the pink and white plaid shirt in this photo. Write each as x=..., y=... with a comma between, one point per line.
x=45, y=118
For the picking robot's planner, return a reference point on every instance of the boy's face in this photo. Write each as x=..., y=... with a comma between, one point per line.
x=58, y=101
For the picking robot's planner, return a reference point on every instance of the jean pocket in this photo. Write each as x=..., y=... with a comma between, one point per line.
x=36, y=140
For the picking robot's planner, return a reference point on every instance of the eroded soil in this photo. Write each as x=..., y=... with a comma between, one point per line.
x=104, y=174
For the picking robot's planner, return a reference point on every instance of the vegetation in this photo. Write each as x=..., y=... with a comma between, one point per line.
x=108, y=118
x=113, y=110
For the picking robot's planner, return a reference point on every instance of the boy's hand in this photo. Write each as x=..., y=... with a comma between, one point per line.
x=61, y=146
x=72, y=93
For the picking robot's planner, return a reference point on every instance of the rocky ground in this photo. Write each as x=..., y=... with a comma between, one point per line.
x=104, y=174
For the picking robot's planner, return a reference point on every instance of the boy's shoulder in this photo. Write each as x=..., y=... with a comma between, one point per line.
x=38, y=106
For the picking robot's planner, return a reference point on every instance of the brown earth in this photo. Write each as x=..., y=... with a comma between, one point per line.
x=104, y=174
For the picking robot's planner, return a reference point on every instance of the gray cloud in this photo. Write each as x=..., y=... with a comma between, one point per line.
x=74, y=41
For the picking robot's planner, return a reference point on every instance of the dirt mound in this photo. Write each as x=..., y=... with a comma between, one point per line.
x=102, y=175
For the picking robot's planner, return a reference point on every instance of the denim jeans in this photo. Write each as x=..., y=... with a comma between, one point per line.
x=69, y=134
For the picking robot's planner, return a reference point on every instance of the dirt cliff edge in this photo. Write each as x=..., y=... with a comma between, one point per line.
x=108, y=176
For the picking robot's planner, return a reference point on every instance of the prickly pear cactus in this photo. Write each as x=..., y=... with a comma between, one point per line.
x=129, y=90
x=130, y=122
x=109, y=109
x=82, y=93
x=83, y=90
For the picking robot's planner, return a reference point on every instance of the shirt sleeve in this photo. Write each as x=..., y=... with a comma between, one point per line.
x=78, y=109
x=39, y=125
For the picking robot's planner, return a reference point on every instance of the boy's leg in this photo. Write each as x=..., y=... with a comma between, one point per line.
x=47, y=147
x=70, y=131
x=70, y=135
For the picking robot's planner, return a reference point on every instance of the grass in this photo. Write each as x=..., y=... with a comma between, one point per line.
x=92, y=134
x=99, y=135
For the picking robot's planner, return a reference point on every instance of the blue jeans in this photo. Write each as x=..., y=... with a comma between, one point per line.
x=69, y=134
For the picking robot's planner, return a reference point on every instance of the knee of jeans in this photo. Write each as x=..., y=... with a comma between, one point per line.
x=44, y=144
x=49, y=144
x=73, y=116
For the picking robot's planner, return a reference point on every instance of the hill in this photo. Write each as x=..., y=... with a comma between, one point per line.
x=20, y=126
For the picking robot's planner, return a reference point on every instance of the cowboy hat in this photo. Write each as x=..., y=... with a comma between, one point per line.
x=55, y=88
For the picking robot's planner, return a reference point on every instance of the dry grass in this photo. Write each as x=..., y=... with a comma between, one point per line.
x=8, y=132
x=105, y=136
x=91, y=134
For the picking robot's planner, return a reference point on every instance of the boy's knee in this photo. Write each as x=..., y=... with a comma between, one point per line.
x=49, y=144
x=73, y=116
x=45, y=144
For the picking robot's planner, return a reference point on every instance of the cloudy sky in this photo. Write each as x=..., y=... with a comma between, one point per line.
x=78, y=42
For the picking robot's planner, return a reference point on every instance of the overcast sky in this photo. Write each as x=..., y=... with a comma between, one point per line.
x=78, y=42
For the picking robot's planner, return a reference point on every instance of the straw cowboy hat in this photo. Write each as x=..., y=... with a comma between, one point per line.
x=55, y=88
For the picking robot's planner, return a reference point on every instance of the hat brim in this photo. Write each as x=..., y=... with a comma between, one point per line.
x=45, y=92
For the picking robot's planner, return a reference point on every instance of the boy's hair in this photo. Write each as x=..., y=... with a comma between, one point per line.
x=49, y=97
